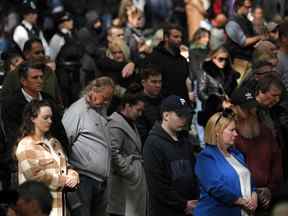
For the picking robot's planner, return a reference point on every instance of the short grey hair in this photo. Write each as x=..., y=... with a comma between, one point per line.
x=98, y=84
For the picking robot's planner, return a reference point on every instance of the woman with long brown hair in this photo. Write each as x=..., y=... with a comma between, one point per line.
x=40, y=156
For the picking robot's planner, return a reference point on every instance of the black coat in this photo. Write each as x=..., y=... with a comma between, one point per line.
x=174, y=69
x=169, y=169
x=150, y=115
x=12, y=111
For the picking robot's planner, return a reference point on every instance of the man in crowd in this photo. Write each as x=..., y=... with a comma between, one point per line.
x=28, y=28
x=33, y=50
x=31, y=81
x=169, y=162
x=241, y=37
x=86, y=127
x=173, y=67
x=151, y=80
x=34, y=199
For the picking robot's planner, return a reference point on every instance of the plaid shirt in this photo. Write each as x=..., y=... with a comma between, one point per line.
x=36, y=162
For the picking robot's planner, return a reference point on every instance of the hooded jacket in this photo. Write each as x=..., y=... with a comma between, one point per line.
x=169, y=169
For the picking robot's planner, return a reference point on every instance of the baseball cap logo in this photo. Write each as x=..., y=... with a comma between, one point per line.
x=249, y=96
x=182, y=101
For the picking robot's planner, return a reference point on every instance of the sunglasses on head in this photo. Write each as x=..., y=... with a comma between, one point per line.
x=226, y=113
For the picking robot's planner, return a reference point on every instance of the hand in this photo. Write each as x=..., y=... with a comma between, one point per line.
x=190, y=205
x=72, y=178
x=264, y=195
x=51, y=65
x=128, y=70
x=71, y=181
x=252, y=202
x=192, y=96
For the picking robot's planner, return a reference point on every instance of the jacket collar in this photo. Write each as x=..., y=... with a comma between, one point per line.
x=124, y=125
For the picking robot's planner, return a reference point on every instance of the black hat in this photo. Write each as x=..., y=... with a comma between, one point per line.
x=176, y=104
x=29, y=8
x=62, y=16
x=244, y=97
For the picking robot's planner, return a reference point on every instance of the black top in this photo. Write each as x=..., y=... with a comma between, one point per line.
x=169, y=169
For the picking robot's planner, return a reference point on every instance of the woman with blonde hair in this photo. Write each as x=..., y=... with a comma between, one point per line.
x=225, y=181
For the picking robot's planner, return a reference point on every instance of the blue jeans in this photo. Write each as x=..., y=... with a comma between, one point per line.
x=93, y=195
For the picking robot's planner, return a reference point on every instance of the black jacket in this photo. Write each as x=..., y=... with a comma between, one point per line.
x=150, y=115
x=169, y=169
x=174, y=69
x=12, y=111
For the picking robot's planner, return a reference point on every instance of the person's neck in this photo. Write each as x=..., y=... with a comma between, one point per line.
x=224, y=151
x=171, y=133
x=32, y=93
x=149, y=95
x=38, y=135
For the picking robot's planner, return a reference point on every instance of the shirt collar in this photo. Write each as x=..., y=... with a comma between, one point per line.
x=29, y=98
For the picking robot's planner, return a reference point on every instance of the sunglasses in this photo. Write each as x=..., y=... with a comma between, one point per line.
x=226, y=113
x=222, y=59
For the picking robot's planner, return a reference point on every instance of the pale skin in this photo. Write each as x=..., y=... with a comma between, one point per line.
x=42, y=124
x=227, y=140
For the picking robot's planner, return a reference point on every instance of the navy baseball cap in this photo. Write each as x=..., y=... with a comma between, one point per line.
x=178, y=105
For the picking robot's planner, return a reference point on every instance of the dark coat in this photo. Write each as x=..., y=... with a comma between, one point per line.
x=213, y=81
x=174, y=69
x=13, y=107
x=169, y=169
x=150, y=115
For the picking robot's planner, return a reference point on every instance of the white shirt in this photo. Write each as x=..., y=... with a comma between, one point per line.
x=29, y=98
x=244, y=178
x=56, y=43
x=20, y=36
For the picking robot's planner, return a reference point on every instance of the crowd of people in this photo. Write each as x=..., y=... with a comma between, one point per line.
x=144, y=107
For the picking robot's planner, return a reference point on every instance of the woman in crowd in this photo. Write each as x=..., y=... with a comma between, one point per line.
x=198, y=52
x=128, y=185
x=225, y=181
x=217, y=82
x=41, y=157
x=218, y=77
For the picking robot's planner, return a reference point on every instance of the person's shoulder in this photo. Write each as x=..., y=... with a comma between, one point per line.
x=25, y=144
x=208, y=151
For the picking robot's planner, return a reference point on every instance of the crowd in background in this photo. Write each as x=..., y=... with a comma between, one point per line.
x=145, y=107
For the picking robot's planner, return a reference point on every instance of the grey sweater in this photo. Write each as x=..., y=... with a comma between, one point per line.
x=88, y=134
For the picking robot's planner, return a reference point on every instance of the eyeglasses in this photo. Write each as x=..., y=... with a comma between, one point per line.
x=226, y=113
x=222, y=59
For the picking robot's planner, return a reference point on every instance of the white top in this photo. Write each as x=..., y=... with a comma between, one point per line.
x=20, y=36
x=244, y=177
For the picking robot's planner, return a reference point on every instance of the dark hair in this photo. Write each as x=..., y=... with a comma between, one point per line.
x=38, y=191
x=267, y=82
x=238, y=4
x=200, y=32
x=148, y=71
x=8, y=57
x=171, y=26
x=24, y=67
x=28, y=44
x=132, y=96
x=31, y=110
x=283, y=29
